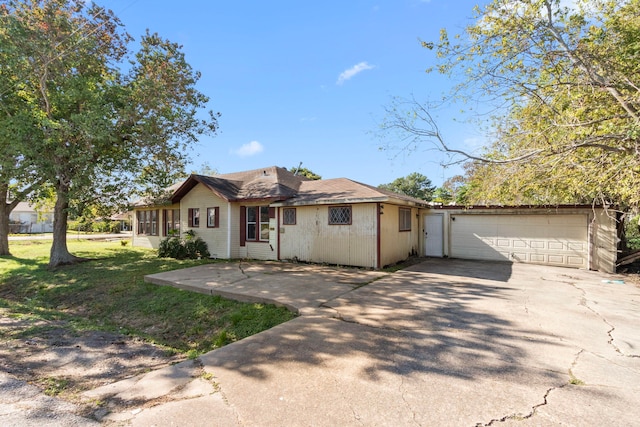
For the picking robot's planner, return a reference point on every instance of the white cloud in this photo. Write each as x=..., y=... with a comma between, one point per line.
x=250, y=149
x=351, y=72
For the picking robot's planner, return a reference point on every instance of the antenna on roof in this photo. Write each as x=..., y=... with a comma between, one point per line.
x=298, y=169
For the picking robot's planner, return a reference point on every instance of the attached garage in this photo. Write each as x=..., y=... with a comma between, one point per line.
x=577, y=237
x=540, y=239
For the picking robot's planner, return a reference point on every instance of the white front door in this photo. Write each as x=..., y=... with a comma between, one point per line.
x=434, y=235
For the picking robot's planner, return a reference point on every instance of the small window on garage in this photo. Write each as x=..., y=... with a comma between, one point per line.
x=340, y=215
x=289, y=216
x=405, y=219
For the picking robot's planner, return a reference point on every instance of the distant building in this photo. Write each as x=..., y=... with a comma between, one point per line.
x=25, y=219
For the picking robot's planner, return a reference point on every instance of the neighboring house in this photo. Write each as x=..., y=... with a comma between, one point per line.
x=124, y=219
x=272, y=214
x=25, y=219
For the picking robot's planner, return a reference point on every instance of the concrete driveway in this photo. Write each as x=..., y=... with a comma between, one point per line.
x=443, y=343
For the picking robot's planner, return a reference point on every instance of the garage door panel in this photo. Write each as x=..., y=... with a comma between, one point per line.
x=541, y=239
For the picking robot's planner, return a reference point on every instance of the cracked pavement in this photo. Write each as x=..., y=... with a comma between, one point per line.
x=444, y=342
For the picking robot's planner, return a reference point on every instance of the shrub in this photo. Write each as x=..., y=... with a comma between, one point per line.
x=190, y=247
x=632, y=232
x=196, y=248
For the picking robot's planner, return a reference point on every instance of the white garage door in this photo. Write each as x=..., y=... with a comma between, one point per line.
x=538, y=239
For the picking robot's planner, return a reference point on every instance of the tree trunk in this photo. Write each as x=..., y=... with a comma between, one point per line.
x=5, y=211
x=4, y=226
x=59, y=253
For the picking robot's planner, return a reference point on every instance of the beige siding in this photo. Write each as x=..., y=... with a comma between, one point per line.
x=148, y=241
x=142, y=241
x=216, y=238
x=312, y=239
x=234, y=231
x=604, y=244
x=396, y=245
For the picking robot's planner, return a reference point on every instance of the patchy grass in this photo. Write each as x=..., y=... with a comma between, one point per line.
x=109, y=294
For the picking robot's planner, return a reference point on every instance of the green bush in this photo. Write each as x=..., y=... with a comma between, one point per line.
x=80, y=225
x=191, y=247
x=196, y=248
x=632, y=232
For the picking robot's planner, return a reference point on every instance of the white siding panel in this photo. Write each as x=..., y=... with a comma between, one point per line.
x=542, y=239
x=312, y=239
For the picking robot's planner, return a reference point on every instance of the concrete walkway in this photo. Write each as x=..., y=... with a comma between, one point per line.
x=446, y=342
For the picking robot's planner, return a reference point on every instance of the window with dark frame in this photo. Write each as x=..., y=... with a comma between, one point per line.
x=147, y=222
x=213, y=217
x=194, y=217
x=154, y=223
x=171, y=222
x=339, y=215
x=405, y=219
x=257, y=223
x=289, y=216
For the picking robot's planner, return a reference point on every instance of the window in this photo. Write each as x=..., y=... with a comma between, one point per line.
x=340, y=215
x=213, y=217
x=257, y=223
x=289, y=216
x=154, y=222
x=171, y=222
x=147, y=222
x=194, y=217
x=405, y=219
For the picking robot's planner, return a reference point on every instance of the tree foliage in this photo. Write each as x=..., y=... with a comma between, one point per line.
x=414, y=185
x=564, y=86
x=95, y=133
x=308, y=173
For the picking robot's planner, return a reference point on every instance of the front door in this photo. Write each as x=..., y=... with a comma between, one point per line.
x=434, y=235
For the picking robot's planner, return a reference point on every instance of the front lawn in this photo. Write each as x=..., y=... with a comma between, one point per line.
x=109, y=294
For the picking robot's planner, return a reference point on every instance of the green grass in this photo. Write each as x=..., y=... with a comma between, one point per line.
x=109, y=293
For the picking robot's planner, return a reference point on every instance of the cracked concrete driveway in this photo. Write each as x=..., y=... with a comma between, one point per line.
x=446, y=343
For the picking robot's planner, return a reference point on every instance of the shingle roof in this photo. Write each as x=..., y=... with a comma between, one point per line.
x=272, y=183
x=343, y=190
x=275, y=184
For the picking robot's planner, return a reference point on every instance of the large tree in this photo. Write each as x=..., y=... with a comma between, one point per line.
x=18, y=129
x=105, y=133
x=414, y=185
x=563, y=84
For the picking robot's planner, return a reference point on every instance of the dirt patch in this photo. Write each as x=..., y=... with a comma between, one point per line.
x=63, y=363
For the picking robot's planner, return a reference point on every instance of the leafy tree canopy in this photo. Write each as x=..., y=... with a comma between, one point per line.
x=99, y=122
x=564, y=86
x=414, y=185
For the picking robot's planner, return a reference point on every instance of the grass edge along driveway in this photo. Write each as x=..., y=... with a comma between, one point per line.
x=108, y=293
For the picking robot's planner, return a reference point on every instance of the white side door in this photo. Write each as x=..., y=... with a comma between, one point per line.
x=434, y=235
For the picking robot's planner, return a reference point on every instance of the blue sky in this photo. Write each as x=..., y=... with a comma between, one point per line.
x=307, y=82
